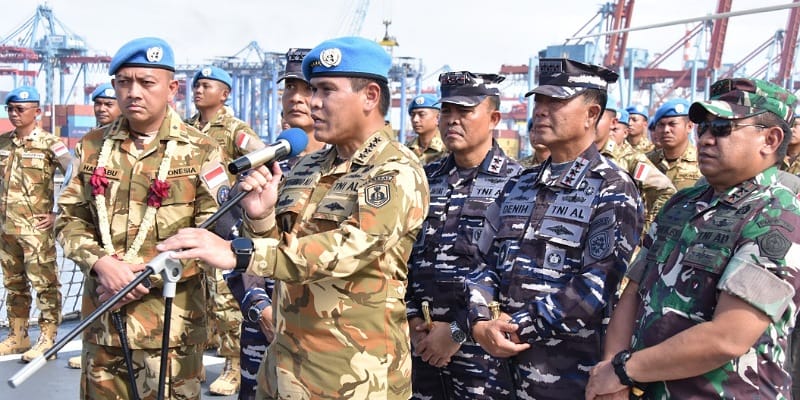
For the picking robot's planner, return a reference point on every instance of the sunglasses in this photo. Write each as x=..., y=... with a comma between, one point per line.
x=18, y=109
x=721, y=127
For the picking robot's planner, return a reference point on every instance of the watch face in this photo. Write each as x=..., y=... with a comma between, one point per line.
x=254, y=314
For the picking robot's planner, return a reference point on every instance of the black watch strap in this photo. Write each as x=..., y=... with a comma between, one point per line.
x=618, y=362
x=242, y=248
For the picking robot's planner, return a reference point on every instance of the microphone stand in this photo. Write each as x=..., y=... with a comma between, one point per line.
x=170, y=269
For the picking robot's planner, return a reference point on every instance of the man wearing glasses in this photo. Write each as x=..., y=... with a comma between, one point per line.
x=29, y=157
x=711, y=300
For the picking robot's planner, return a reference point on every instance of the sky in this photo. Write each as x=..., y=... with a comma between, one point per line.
x=465, y=35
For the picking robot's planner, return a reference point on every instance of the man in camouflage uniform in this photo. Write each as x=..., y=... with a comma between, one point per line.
x=556, y=242
x=254, y=293
x=337, y=235
x=677, y=156
x=211, y=87
x=713, y=296
x=654, y=186
x=637, y=134
x=424, y=113
x=29, y=157
x=462, y=185
x=540, y=152
x=106, y=110
x=147, y=160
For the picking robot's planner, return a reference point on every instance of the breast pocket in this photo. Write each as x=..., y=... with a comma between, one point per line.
x=33, y=170
x=177, y=210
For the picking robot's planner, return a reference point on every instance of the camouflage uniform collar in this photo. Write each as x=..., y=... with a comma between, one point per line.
x=689, y=155
x=608, y=149
x=736, y=194
x=31, y=136
x=172, y=128
x=436, y=144
x=493, y=163
x=572, y=175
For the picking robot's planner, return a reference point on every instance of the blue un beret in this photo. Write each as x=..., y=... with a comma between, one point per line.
x=623, y=117
x=104, y=91
x=148, y=52
x=638, y=109
x=23, y=94
x=424, y=101
x=213, y=73
x=672, y=108
x=348, y=56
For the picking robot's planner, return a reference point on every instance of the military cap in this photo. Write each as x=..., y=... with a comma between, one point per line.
x=563, y=78
x=294, y=64
x=468, y=89
x=424, y=101
x=148, y=52
x=638, y=109
x=672, y=108
x=349, y=56
x=23, y=94
x=105, y=91
x=623, y=117
x=741, y=98
x=215, y=74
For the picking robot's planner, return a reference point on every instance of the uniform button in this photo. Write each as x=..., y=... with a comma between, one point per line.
x=262, y=264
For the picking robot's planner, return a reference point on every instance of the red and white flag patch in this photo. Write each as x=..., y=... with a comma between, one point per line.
x=242, y=139
x=641, y=171
x=215, y=176
x=59, y=149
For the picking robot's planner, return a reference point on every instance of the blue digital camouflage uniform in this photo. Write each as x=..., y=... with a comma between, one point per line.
x=744, y=242
x=445, y=252
x=555, y=246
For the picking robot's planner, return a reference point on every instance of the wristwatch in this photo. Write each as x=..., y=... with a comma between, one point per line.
x=618, y=362
x=242, y=248
x=457, y=334
x=254, y=313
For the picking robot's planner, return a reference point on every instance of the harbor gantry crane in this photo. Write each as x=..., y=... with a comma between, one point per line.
x=46, y=41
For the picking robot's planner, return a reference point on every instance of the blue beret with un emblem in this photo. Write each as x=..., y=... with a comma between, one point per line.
x=348, y=56
x=213, y=73
x=623, y=117
x=147, y=52
x=424, y=101
x=23, y=94
x=672, y=108
x=105, y=91
x=638, y=109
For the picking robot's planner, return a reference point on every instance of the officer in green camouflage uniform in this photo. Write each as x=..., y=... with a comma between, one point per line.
x=135, y=182
x=654, y=186
x=29, y=157
x=424, y=113
x=713, y=293
x=337, y=235
x=677, y=156
x=637, y=135
x=540, y=152
x=211, y=87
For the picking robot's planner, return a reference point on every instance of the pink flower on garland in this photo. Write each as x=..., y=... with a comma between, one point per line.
x=99, y=181
x=159, y=190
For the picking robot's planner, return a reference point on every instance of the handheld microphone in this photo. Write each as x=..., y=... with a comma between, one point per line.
x=290, y=143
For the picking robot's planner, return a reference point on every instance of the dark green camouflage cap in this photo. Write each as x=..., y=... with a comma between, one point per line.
x=742, y=98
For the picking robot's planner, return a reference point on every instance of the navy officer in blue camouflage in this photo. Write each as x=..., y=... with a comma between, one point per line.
x=556, y=242
x=462, y=185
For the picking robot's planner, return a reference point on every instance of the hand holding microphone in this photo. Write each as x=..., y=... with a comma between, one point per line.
x=290, y=143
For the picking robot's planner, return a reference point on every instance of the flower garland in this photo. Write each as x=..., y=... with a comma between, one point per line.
x=159, y=190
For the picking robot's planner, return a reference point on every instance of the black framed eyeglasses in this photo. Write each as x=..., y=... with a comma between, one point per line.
x=18, y=109
x=722, y=127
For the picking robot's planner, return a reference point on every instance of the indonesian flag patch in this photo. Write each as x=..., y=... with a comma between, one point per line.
x=59, y=149
x=641, y=172
x=215, y=176
x=242, y=139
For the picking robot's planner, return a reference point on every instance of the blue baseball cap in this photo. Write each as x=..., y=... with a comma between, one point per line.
x=148, y=52
x=672, y=108
x=105, y=91
x=294, y=64
x=638, y=109
x=424, y=101
x=23, y=94
x=213, y=73
x=623, y=117
x=349, y=56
